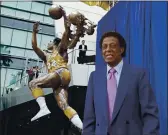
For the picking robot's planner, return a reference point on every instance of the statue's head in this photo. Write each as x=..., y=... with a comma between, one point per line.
x=76, y=18
x=53, y=43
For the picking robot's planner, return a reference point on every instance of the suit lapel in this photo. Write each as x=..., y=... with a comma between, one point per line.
x=101, y=88
x=121, y=90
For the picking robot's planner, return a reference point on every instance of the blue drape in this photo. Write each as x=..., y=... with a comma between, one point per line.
x=144, y=25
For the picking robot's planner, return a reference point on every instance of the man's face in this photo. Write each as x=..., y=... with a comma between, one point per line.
x=111, y=50
x=83, y=42
x=50, y=45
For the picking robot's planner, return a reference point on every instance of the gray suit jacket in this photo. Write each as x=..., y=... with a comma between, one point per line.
x=135, y=109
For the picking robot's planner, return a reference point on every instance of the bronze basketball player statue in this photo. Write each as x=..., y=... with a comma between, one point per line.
x=56, y=59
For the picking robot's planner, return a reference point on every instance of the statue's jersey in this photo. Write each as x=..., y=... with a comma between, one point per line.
x=55, y=61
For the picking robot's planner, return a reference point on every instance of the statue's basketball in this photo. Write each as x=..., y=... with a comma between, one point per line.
x=55, y=12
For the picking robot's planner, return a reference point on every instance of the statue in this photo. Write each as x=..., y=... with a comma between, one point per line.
x=56, y=59
x=83, y=25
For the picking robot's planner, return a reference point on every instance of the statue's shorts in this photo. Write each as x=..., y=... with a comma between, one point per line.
x=64, y=75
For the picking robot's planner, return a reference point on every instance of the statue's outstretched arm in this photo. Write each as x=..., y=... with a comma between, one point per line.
x=37, y=50
x=66, y=35
x=73, y=42
x=79, y=33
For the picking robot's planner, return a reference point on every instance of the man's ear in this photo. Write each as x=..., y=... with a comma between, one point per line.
x=122, y=50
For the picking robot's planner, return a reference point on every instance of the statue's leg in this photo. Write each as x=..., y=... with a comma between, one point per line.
x=51, y=80
x=61, y=96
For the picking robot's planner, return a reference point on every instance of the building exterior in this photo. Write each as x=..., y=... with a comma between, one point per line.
x=17, y=18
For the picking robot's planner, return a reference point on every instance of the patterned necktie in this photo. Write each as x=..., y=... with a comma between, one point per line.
x=111, y=91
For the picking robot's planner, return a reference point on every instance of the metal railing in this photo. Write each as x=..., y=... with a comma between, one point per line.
x=74, y=54
x=24, y=80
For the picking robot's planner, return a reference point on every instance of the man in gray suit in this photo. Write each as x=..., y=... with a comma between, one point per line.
x=119, y=99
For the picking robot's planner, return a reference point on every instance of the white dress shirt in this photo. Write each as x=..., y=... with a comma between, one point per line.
x=118, y=68
x=83, y=47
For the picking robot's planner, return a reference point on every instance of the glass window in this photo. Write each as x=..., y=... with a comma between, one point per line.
x=46, y=9
x=20, y=24
x=6, y=36
x=29, y=38
x=31, y=54
x=6, y=61
x=35, y=17
x=3, y=76
x=5, y=49
x=48, y=30
x=12, y=76
x=50, y=2
x=48, y=20
x=15, y=62
x=7, y=11
x=7, y=22
x=10, y=4
x=45, y=40
x=24, y=5
x=21, y=14
x=19, y=38
x=17, y=51
x=37, y=7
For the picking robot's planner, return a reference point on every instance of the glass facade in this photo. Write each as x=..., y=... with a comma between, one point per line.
x=17, y=19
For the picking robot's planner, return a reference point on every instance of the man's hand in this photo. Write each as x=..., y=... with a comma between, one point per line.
x=35, y=27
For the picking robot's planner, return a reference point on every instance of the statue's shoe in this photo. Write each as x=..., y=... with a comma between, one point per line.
x=41, y=113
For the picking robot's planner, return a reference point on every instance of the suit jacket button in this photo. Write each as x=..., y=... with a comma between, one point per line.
x=97, y=124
